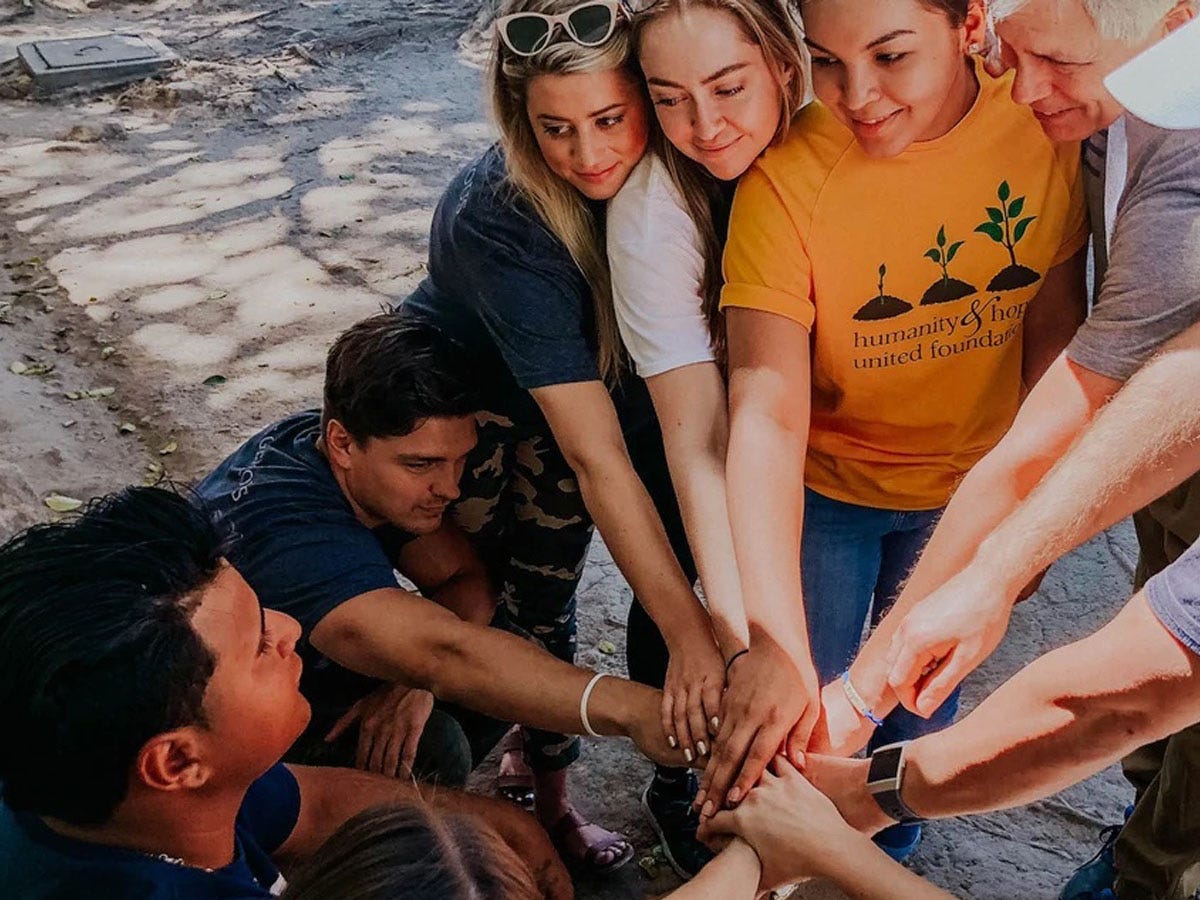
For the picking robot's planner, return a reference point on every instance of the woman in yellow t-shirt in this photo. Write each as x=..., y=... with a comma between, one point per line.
x=896, y=271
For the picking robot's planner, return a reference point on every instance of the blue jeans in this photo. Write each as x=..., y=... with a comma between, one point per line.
x=854, y=561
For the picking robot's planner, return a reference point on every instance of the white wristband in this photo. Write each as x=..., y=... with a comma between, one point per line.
x=583, y=706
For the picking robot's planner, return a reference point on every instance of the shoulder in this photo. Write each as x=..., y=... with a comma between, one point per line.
x=648, y=204
x=1164, y=156
x=816, y=141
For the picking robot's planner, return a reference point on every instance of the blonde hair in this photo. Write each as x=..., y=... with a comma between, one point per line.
x=773, y=26
x=562, y=209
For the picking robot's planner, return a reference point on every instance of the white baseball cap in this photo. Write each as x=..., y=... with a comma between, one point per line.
x=1162, y=85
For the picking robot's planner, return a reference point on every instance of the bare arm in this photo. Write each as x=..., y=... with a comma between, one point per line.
x=1059, y=720
x=1053, y=316
x=447, y=570
x=773, y=695
x=1142, y=444
x=1055, y=413
x=693, y=413
x=588, y=432
x=733, y=875
x=397, y=636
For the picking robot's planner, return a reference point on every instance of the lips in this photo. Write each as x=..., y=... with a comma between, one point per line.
x=598, y=176
x=874, y=124
x=714, y=149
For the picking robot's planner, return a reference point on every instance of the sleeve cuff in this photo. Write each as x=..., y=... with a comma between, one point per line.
x=751, y=296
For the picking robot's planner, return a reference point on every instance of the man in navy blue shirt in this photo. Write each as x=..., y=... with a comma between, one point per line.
x=147, y=697
x=325, y=506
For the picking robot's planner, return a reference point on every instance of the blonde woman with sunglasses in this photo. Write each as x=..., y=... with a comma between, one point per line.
x=519, y=278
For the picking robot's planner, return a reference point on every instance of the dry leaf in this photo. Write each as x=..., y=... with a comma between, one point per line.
x=62, y=504
x=168, y=449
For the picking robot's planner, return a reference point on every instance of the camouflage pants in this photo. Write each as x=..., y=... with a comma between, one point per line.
x=523, y=509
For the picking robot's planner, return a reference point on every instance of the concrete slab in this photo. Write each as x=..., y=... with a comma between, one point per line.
x=94, y=61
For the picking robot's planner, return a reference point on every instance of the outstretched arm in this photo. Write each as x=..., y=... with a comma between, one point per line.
x=1145, y=442
x=1059, y=720
x=769, y=394
x=1055, y=413
x=396, y=636
x=692, y=411
x=588, y=432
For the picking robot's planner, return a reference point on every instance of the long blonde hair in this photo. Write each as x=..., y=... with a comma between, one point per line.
x=772, y=25
x=562, y=209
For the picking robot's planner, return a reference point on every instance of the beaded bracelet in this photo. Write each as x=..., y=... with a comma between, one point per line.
x=857, y=701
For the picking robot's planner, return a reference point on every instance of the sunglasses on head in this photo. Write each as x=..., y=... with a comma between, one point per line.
x=589, y=24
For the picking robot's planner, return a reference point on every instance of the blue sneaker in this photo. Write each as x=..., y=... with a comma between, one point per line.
x=1095, y=878
x=900, y=841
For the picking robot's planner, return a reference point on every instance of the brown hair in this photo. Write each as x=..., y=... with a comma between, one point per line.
x=954, y=10
x=417, y=853
x=772, y=26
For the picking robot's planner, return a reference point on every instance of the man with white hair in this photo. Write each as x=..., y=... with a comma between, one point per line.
x=1146, y=209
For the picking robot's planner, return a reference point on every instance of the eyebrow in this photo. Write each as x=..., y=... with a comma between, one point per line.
x=592, y=115
x=890, y=36
x=715, y=76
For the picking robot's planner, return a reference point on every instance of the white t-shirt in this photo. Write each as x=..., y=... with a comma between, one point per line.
x=657, y=262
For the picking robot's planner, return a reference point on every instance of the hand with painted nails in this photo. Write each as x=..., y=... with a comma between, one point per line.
x=771, y=705
x=692, y=694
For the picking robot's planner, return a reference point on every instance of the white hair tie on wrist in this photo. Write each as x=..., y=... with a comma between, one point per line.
x=583, y=705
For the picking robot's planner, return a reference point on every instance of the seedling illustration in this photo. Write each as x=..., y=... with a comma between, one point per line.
x=883, y=306
x=1000, y=228
x=947, y=289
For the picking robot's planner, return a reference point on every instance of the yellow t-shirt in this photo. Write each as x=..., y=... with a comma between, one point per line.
x=913, y=275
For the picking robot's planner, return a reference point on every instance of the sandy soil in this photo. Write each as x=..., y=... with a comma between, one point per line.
x=194, y=244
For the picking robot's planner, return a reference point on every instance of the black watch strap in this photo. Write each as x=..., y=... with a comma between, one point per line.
x=885, y=778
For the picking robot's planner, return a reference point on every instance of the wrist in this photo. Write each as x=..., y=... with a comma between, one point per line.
x=992, y=565
x=618, y=707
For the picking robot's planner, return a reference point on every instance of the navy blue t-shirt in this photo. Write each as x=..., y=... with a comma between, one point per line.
x=507, y=290
x=36, y=863
x=296, y=541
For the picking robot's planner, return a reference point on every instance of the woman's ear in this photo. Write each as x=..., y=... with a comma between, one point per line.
x=976, y=29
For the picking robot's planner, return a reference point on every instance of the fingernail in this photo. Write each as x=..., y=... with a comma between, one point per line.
x=716, y=724
x=671, y=740
x=702, y=747
x=687, y=754
x=707, y=811
x=699, y=801
x=735, y=795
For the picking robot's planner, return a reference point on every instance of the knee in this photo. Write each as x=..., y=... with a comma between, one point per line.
x=444, y=753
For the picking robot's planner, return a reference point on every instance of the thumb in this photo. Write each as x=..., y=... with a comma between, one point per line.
x=349, y=717
x=940, y=685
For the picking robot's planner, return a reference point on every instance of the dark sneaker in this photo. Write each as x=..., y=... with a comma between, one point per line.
x=899, y=841
x=1094, y=879
x=675, y=823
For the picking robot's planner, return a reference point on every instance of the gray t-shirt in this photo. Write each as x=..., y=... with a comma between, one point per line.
x=1151, y=290
x=1174, y=595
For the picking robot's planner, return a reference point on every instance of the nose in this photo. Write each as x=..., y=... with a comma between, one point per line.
x=445, y=486
x=859, y=88
x=1030, y=83
x=587, y=151
x=287, y=632
x=707, y=120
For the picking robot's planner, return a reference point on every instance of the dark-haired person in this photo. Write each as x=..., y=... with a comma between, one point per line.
x=325, y=506
x=147, y=697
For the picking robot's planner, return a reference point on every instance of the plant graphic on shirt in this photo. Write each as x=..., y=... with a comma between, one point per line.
x=947, y=289
x=882, y=306
x=1000, y=228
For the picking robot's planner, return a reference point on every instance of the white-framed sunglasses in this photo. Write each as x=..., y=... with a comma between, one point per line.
x=589, y=24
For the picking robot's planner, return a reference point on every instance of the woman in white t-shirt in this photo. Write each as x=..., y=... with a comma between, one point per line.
x=726, y=78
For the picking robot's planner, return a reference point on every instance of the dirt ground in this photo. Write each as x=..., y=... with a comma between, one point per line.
x=178, y=254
